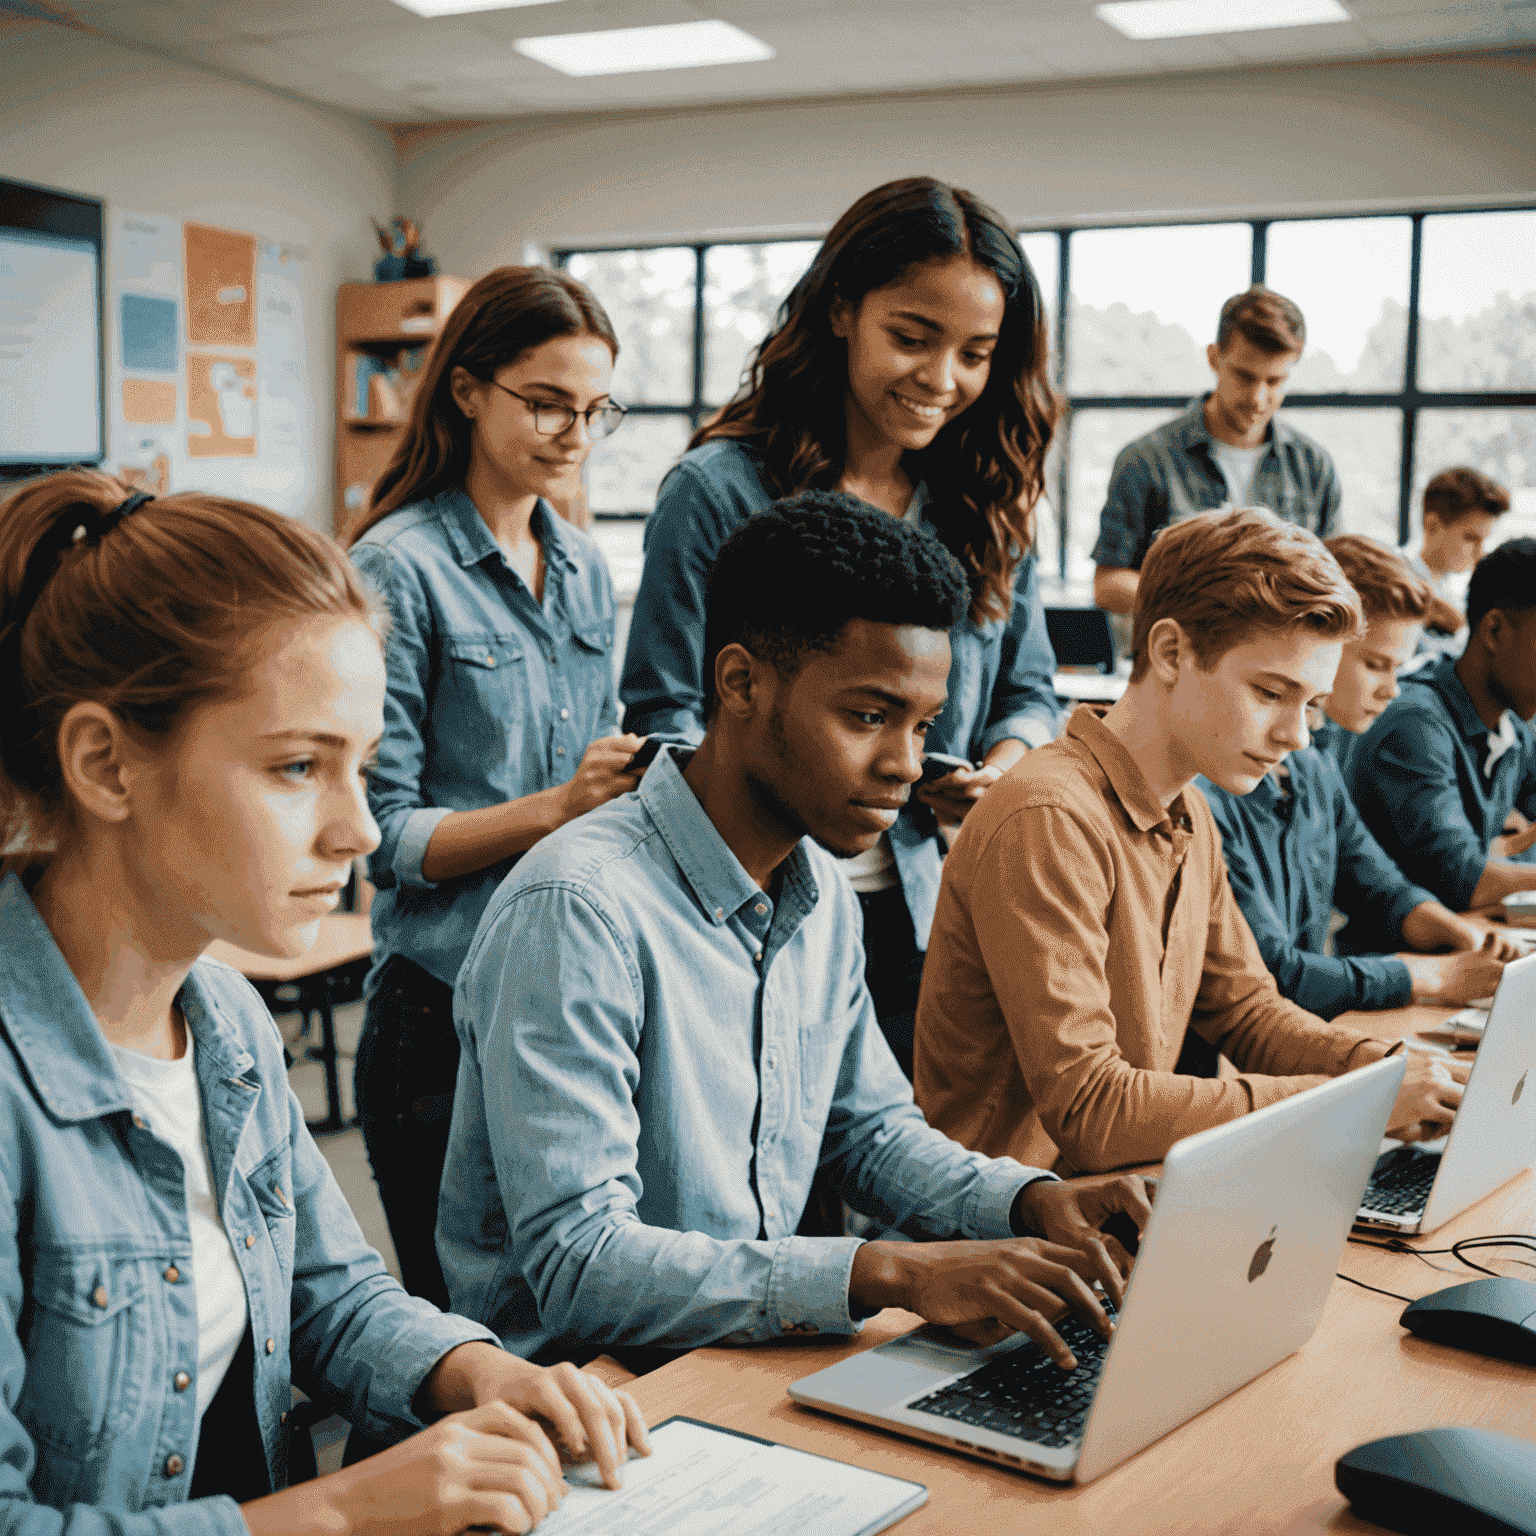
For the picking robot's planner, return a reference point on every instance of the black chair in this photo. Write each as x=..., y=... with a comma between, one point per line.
x=1081, y=637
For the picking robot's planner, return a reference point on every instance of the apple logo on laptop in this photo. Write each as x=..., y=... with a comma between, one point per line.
x=1514, y=1098
x=1261, y=1256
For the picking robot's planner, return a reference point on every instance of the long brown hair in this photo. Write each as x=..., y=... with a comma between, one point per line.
x=986, y=470
x=165, y=610
x=501, y=317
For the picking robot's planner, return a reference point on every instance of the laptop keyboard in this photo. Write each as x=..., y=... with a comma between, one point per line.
x=1025, y=1393
x=1401, y=1183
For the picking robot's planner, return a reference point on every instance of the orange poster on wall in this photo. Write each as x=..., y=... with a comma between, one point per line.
x=221, y=406
x=221, y=287
x=149, y=401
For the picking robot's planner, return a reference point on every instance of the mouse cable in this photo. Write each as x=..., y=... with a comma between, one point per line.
x=1486, y=1240
x=1364, y=1287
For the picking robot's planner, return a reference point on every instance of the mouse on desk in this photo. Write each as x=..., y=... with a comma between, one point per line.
x=1474, y=1482
x=1496, y=1316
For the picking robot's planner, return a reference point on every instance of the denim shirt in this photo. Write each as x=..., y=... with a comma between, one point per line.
x=1170, y=475
x=658, y=1056
x=1000, y=673
x=98, y=1311
x=492, y=696
x=1417, y=778
x=1292, y=860
x=1332, y=740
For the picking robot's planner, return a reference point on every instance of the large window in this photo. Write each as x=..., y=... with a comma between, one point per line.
x=1421, y=350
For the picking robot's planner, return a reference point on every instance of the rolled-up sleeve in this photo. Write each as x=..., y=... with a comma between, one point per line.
x=406, y=823
x=1408, y=784
x=1123, y=522
x=662, y=684
x=557, y=1005
x=1023, y=705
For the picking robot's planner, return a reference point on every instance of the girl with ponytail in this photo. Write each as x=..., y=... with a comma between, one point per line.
x=193, y=689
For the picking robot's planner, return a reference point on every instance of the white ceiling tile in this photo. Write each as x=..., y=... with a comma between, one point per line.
x=1290, y=44
x=1477, y=25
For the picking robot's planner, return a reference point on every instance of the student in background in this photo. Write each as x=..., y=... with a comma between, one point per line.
x=667, y=1033
x=908, y=367
x=174, y=1252
x=500, y=719
x=1229, y=449
x=1461, y=506
x=1296, y=849
x=1086, y=938
x=1438, y=775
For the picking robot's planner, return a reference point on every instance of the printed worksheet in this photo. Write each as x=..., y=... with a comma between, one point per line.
x=700, y=1481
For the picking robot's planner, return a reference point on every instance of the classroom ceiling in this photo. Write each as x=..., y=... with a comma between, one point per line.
x=375, y=58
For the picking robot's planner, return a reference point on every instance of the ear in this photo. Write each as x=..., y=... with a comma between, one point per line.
x=738, y=681
x=1432, y=523
x=840, y=315
x=1167, y=646
x=468, y=392
x=1212, y=353
x=98, y=761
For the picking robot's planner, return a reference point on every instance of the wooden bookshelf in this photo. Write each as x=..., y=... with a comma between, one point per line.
x=375, y=324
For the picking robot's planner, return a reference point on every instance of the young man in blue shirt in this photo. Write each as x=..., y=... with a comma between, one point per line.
x=1296, y=848
x=1436, y=777
x=667, y=1034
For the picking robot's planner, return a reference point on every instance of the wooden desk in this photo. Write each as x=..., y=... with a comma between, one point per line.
x=1259, y=1461
x=313, y=983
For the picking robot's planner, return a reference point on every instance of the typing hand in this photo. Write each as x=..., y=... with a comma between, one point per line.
x=1461, y=977
x=1426, y=1103
x=985, y=1290
x=1512, y=844
x=1072, y=1213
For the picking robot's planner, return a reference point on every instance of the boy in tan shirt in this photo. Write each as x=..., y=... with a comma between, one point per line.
x=1085, y=926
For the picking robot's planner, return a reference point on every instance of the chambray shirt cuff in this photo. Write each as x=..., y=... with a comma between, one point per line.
x=398, y=1376
x=808, y=1286
x=1403, y=903
x=1391, y=987
x=411, y=848
x=1032, y=730
x=990, y=1204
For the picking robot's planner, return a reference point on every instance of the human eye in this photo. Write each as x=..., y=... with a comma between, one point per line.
x=870, y=717
x=297, y=771
x=903, y=340
x=977, y=359
x=1267, y=694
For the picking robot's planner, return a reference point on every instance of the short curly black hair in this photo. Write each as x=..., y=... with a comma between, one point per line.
x=1505, y=578
x=793, y=575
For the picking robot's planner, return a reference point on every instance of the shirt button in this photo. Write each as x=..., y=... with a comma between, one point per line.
x=172, y=1275
x=719, y=913
x=99, y=1296
x=250, y=1239
x=174, y=1465
x=773, y=1060
x=282, y=1418
x=138, y=1122
x=490, y=661
x=760, y=908
x=271, y=1346
x=554, y=659
x=559, y=751
x=758, y=957
x=565, y=714
x=181, y=1381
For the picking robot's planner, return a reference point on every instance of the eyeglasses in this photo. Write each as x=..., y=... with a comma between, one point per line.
x=551, y=420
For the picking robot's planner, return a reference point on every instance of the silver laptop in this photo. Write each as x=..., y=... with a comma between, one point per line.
x=1493, y=1137
x=1250, y=1220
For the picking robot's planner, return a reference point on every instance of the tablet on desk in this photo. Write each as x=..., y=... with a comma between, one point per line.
x=700, y=1480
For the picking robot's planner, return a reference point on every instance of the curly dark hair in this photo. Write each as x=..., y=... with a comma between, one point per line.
x=793, y=575
x=1505, y=579
x=985, y=470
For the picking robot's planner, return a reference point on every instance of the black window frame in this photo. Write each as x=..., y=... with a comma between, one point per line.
x=1409, y=400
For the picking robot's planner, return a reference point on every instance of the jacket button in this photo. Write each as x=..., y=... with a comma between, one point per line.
x=181, y=1381
x=250, y=1239
x=271, y=1345
x=490, y=661
x=565, y=714
x=174, y=1465
x=172, y=1275
x=99, y=1296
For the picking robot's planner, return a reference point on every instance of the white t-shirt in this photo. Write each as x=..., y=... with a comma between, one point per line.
x=875, y=869
x=167, y=1098
x=1237, y=466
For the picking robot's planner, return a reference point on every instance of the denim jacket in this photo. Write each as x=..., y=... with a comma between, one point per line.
x=999, y=675
x=492, y=696
x=97, y=1309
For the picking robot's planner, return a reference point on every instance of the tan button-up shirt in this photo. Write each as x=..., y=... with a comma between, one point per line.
x=1081, y=930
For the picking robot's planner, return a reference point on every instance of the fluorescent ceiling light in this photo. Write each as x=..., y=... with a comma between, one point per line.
x=463, y=7
x=1144, y=19
x=687, y=45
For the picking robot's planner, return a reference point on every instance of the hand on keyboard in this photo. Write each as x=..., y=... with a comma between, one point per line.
x=1426, y=1103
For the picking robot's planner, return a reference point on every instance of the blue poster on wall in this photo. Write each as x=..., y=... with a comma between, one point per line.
x=149, y=333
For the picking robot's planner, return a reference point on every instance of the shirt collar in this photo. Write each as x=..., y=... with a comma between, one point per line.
x=473, y=541
x=720, y=884
x=1442, y=677
x=55, y=1033
x=1190, y=428
x=1125, y=778
x=1500, y=742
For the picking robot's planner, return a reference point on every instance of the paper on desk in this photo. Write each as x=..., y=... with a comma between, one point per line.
x=700, y=1481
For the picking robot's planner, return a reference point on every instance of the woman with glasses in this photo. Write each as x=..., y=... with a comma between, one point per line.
x=909, y=366
x=500, y=717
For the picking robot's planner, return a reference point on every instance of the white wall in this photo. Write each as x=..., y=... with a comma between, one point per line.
x=1385, y=134
x=92, y=117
